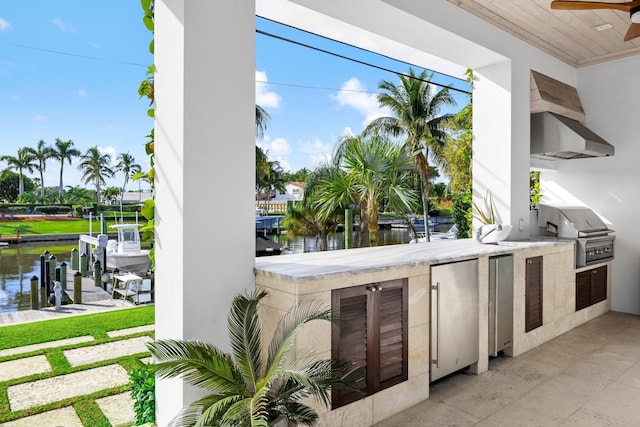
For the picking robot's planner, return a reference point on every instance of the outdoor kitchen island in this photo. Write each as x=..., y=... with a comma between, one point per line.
x=388, y=290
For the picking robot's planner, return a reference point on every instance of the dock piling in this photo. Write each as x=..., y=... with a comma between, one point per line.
x=77, y=288
x=97, y=273
x=63, y=275
x=34, y=293
x=83, y=264
x=74, y=259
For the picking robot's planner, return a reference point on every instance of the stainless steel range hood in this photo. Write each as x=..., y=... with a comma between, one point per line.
x=557, y=137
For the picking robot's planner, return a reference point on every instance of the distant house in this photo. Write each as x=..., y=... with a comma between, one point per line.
x=292, y=191
x=132, y=197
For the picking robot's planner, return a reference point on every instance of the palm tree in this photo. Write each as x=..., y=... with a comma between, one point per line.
x=305, y=219
x=377, y=172
x=243, y=391
x=64, y=151
x=20, y=163
x=262, y=119
x=96, y=167
x=417, y=108
x=126, y=164
x=41, y=154
x=111, y=195
x=78, y=195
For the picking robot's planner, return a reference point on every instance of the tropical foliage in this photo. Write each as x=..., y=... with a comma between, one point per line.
x=375, y=172
x=64, y=152
x=95, y=167
x=41, y=154
x=305, y=219
x=417, y=109
x=245, y=388
x=21, y=163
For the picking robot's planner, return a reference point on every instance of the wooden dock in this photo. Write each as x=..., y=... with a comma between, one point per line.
x=10, y=238
x=94, y=299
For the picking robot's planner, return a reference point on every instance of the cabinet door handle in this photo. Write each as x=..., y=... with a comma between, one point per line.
x=436, y=288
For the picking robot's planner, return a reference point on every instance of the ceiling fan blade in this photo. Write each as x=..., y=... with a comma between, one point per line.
x=632, y=32
x=590, y=5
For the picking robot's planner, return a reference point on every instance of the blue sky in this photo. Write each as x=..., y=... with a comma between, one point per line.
x=70, y=69
x=312, y=97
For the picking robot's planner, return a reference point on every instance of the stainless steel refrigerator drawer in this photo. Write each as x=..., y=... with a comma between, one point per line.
x=454, y=317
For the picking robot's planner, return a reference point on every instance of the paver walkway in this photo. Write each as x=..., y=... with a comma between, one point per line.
x=117, y=408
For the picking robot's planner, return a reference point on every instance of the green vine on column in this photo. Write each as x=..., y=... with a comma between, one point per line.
x=146, y=89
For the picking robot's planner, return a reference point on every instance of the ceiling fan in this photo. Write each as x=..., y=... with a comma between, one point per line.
x=633, y=7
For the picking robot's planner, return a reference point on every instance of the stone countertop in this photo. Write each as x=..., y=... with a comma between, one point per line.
x=316, y=265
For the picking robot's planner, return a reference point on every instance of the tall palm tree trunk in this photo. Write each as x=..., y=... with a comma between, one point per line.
x=372, y=222
x=41, y=183
x=60, y=189
x=423, y=169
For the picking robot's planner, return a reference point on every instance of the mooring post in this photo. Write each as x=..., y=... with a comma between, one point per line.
x=74, y=259
x=34, y=293
x=53, y=263
x=83, y=264
x=97, y=273
x=43, y=295
x=47, y=277
x=348, y=228
x=43, y=280
x=63, y=275
x=77, y=288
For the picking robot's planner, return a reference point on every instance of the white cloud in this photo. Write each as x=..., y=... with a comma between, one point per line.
x=279, y=149
x=41, y=118
x=265, y=97
x=63, y=27
x=354, y=94
x=4, y=25
x=108, y=150
x=82, y=92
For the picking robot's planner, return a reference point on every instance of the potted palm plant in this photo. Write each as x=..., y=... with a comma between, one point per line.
x=243, y=388
x=492, y=229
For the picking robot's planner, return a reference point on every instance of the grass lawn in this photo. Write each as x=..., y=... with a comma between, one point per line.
x=62, y=226
x=96, y=325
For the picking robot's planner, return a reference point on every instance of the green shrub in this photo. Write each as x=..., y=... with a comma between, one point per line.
x=53, y=210
x=142, y=383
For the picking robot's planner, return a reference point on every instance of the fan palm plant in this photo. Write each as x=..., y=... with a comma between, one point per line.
x=243, y=390
x=417, y=108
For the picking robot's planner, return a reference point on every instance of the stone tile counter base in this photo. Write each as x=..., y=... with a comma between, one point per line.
x=293, y=279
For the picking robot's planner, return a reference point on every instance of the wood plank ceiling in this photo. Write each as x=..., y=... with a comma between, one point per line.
x=571, y=36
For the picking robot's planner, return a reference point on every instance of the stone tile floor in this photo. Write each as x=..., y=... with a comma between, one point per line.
x=118, y=408
x=589, y=376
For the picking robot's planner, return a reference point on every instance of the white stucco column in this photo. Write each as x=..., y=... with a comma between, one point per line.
x=501, y=143
x=205, y=172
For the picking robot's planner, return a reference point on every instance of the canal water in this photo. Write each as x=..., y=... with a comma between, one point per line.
x=19, y=263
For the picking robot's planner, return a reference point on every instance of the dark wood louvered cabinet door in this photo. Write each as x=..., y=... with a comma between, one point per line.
x=349, y=338
x=583, y=290
x=372, y=333
x=533, y=294
x=393, y=331
x=599, y=284
x=591, y=287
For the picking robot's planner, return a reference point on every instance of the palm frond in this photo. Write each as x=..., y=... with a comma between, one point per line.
x=190, y=414
x=215, y=411
x=200, y=364
x=245, y=333
x=299, y=413
x=287, y=329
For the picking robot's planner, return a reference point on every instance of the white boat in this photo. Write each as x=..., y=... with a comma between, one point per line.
x=125, y=254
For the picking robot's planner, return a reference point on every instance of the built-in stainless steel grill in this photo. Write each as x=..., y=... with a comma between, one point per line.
x=594, y=240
